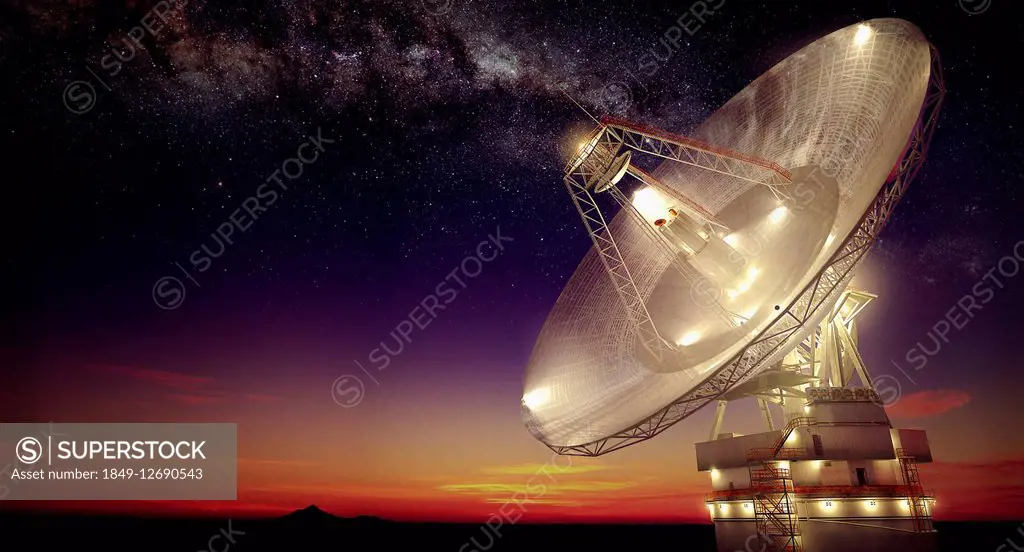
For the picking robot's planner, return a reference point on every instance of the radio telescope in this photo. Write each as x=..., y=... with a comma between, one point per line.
x=724, y=271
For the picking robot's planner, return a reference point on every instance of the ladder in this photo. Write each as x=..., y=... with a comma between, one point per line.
x=774, y=494
x=915, y=493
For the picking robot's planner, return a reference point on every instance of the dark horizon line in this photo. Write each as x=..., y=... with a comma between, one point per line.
x=316, y=510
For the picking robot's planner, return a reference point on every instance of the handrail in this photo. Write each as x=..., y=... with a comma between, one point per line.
x=823, y=491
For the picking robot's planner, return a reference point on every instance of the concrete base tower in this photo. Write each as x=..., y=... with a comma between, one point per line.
x=836, y=476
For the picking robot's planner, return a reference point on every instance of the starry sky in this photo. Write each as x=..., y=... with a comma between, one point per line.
x=133, y=131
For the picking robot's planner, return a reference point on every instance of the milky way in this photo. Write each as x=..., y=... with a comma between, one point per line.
x=483, y=84
x=205, y=57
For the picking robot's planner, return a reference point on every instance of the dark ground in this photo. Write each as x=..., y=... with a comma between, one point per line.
x=312, y=529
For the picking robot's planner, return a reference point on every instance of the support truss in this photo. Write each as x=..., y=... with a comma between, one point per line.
x=577, y=184
x=591, y=164
x=828, y=283
x=697, y=153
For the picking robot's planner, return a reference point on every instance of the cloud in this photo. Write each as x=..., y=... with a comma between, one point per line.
x=1006, y=467
x=527, y=488
x=164, y=378
x=978, y=489
x=539, y=484
x=533, y=469
x=274, y=462
x=261, y=398
x=194, y=399
x=184, y=388
x=211, y=396
x=543, y=501
x=925, y=404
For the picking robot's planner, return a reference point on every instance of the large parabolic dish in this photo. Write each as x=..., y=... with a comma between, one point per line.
x=631, y=348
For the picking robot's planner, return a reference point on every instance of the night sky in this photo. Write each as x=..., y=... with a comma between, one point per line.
x=441, y=123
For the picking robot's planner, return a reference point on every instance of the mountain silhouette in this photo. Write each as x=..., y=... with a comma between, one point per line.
x=313, y=515
x=310, y=513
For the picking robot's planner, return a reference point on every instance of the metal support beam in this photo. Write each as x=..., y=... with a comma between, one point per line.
x=615, y=266
x=697, y=153
x=716, y=426
x=763, y=404
x=851, y=354
x=833, y=360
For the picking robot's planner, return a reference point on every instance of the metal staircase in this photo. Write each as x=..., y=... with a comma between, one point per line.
x=773, y=492
x=915, y=493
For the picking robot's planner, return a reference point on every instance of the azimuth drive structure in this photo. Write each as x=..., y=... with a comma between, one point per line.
x=725, y=271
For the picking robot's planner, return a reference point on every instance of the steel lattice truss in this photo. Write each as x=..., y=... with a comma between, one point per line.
x=591, y=163
x=697, y=153
x=785, y=330
x=578, y=183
